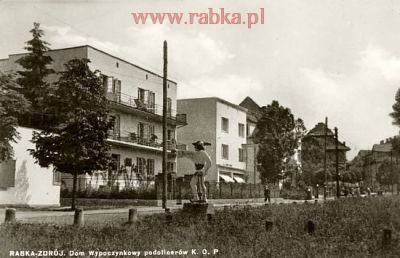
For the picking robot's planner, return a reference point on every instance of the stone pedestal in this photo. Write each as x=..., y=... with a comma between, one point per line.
x=199, y=210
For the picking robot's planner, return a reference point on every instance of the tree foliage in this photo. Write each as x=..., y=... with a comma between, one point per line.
x=387, y=173
x=312, y=156
x=12, y=105
x=77, y=143
x=32, y=78
x=396, y=109
x=278, y=134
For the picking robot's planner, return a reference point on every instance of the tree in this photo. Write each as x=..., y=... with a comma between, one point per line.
x=396, y=109
x=312, y=157
x=32, y=79
x=12, y=105
x=278, y=134
x=358, y=167
x=76, y=144
x=387, y=173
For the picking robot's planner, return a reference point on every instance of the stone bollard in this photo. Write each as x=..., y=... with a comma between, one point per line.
x=168, y=215
x=386, y=237
x=210, y=213
x=79, y=217
x=133, y=216
x=10, y=215
x=268, y=225
x=310, y=227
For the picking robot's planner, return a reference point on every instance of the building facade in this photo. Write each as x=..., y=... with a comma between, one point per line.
x=23, y=182
x=222, y=124
x=251, y=148
x=136, y=97
x=312, y=154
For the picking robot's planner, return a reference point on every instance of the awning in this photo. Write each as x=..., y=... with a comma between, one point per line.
x=238, y=179
x=226, y=178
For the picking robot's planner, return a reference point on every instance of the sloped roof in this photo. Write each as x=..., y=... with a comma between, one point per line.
x=384, y=147
x=363, y=153
x=341, y=147
x=319, y=130
x=253, y=109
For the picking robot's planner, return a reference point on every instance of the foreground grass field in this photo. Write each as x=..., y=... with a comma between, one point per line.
x=344, y=228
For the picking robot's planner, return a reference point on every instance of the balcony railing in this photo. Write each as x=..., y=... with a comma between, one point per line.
x=136, y=103
x=150, y=142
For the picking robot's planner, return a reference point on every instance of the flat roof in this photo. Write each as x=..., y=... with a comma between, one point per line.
x=101, y=51
x=219, y=100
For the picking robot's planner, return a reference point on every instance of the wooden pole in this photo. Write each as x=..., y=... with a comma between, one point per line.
x=10, y=215
x=133, y=216
x=79, y=217
x=325, y=143
x=164, y=123
x=337, y=163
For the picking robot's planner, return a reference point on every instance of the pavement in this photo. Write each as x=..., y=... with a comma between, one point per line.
x=63, y=217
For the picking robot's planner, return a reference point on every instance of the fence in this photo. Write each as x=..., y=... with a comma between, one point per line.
x=179, y=188
x=107, y=189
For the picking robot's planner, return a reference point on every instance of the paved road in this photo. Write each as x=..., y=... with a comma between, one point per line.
x=120, y=214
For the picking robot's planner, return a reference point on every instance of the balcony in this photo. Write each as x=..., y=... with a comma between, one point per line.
x=148, y=108
x=153, y=142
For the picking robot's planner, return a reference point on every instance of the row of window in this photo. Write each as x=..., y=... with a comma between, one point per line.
x=143, y=166
x=225, y=126
x=146, y=98
x=144, y=130
x=225, y=153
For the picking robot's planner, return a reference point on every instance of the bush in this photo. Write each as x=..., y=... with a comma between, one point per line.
x=107, y=193
x=293, y=194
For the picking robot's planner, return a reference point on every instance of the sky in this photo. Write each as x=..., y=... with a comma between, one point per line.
x=321, y=58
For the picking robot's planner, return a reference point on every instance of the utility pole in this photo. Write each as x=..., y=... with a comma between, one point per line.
x=164, y=123
x=337, y=162
x=325, y=143
x=391, y=168
x=255, y=163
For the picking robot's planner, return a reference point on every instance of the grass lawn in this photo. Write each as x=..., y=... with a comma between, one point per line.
x=345, y=228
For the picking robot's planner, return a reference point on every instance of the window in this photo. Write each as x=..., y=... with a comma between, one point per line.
x=169, y=107
x=150, y=167
x=116, y=127
x=151, y=105
x=225, y=151
x=170, y=167
x=142, y=95
x=116, y=90
x=241, y=130
x=108, y=83
x=170, y=135
x=141, y=164
x=225, y=124
x=128, y=162
x=145, y=131
x=140, y=130
x=151, y=131
x=56, y=178
x=241, y=155
x=115, y=161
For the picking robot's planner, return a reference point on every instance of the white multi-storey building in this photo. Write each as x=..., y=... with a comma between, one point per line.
x=135, y=95
x=222, y=124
